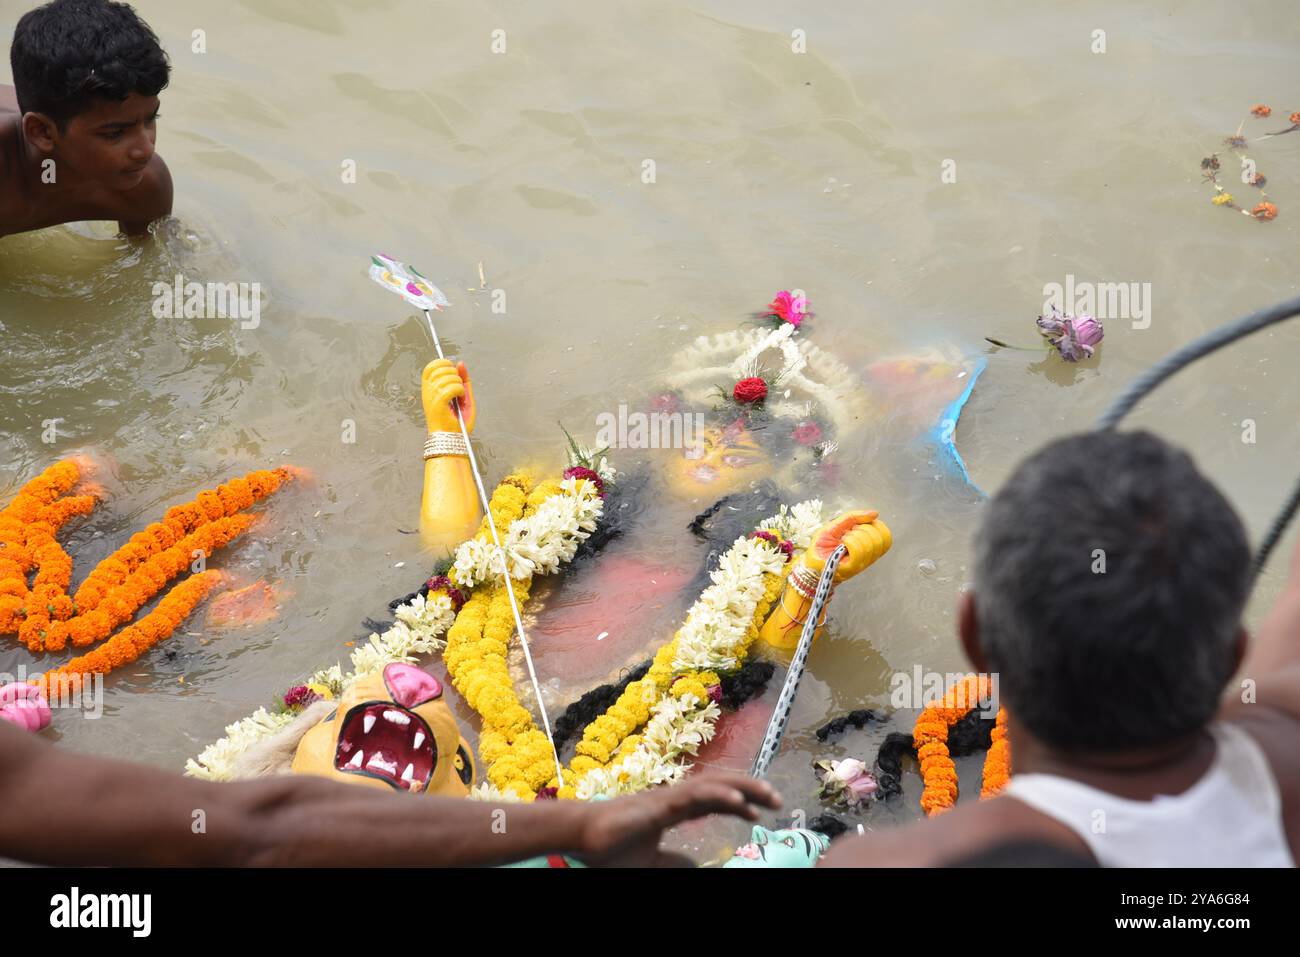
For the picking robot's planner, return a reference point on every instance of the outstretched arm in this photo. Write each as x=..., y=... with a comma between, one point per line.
x=866, y=538
x=1273, y=655
x=449, y=509
x=61, y=808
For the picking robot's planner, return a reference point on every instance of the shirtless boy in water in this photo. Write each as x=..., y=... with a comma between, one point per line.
x=77, y=130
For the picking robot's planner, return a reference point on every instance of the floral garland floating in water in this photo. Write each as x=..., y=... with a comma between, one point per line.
x=675, y=705
x=930, y=738
x=549, y=520
x=1263, y=210
x=679, y=693
x=46, y=618
x=542, y=538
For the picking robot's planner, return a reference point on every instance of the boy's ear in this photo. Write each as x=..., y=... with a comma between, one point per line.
x=41, y=131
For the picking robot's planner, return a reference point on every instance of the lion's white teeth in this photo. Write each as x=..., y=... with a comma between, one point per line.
x=356, y=760
x=409, y=774
x=368, y=723
x=396, y=717
x=419, y=739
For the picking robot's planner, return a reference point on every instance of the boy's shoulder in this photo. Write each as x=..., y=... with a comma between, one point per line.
x=148, y=200
x=133, y=209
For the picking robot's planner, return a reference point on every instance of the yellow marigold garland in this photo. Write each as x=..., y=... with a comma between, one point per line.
x=609, y=738
x=517, y=756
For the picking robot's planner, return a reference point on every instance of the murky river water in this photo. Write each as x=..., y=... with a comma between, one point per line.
x=824, y=170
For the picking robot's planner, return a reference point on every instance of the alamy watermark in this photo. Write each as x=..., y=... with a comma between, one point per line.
x=208, y=300
x=1103, y=300
x=650, y=430
x=917, y=688
x=84, y=691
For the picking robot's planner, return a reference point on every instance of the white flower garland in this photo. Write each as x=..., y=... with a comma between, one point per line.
x=418, y=630
x=708, y=640
x=677, y=727
x=536, y=544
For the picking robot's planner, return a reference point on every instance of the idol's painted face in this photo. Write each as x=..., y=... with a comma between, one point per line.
x=391, y=730
x=723, y=461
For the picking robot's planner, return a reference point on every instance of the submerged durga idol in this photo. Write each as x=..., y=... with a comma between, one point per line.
x=777, y=408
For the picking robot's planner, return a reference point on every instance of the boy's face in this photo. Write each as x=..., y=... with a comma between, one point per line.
x=111, y=143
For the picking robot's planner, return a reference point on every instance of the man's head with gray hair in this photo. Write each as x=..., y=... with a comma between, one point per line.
x=1110, y=580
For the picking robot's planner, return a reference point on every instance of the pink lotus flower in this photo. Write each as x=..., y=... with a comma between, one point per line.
x=847, y=782
x=789, y=307
x=1074, y=337
x=24, y=705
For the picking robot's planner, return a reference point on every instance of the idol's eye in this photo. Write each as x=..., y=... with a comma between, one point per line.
x=738, y=461
x=464, y=767
x=788, y=842
x=330, y=717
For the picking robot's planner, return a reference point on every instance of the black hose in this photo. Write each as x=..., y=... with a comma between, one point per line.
x=1185, y=356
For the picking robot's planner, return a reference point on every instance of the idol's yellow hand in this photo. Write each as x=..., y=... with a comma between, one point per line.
x=441, y=384
x=865, y=536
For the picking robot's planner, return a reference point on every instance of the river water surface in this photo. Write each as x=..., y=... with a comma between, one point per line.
x=922, y=171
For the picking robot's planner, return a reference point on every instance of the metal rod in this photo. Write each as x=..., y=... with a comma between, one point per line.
x=505, y=566
x=781, y=714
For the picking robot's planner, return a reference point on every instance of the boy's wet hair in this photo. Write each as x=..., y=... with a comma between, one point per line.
x=1110, y=579
x=70, y=53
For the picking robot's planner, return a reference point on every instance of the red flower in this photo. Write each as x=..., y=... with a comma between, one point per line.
x=785, y=546
x=299, y=696
x=547, y=794
x=715, y=693
x=579, y=472
x=443, y=583
x=1295, y=118
x=1259, y=109
x=753, y=389
x=807, y=433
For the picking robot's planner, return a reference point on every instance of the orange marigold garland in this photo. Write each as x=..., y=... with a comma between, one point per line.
x=121, y=603
x=223, y=501
x=131, y=642
x=997, y=763
x=930, y=737
x=46, y=618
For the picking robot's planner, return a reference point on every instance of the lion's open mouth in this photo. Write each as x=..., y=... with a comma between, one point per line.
x=383, y=740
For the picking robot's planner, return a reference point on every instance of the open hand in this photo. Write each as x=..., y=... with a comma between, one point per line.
x=442, y=384
x=864, y=535
x=626, y=831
